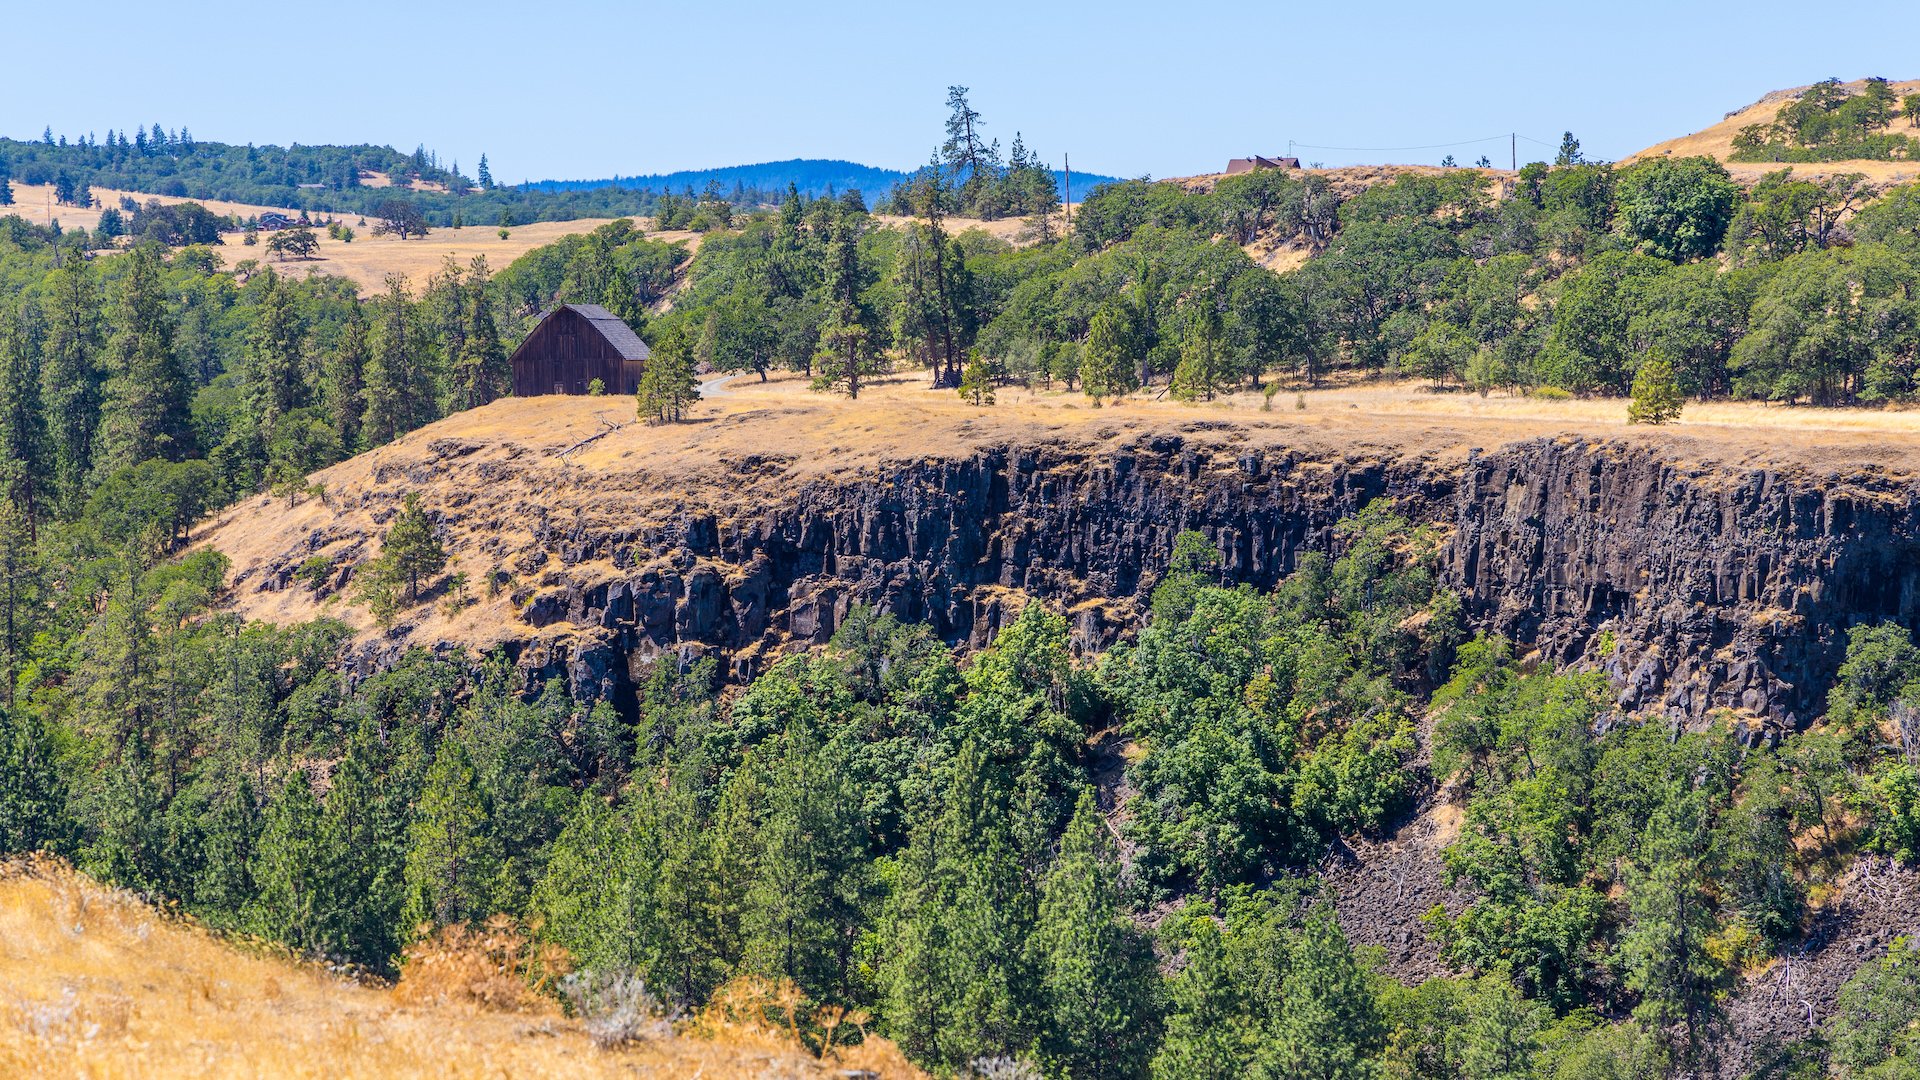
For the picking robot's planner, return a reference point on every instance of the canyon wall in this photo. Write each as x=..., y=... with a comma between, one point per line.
x=1695, y=587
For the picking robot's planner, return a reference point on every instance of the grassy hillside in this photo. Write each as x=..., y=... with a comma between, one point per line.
x=95, y=982
x=1717, y=141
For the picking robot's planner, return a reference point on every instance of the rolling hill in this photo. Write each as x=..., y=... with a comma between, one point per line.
x=811, y=176
x=1716, y=141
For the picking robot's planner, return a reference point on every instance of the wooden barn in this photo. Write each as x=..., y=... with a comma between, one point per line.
x=574, y=345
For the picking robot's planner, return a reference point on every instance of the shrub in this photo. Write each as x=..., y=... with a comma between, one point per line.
x=615, y=1007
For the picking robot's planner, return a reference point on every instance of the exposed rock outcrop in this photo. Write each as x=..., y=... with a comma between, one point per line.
x=1695, y=587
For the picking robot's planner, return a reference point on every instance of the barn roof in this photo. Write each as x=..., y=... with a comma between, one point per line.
x=614, y=329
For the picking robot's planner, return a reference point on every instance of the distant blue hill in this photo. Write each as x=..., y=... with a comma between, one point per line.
x=812, y=176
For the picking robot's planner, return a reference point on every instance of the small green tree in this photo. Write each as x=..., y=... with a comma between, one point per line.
x=1107, y=361
x=976, y=385
x=667, y=387
x=410, y=548
x=1656, y=394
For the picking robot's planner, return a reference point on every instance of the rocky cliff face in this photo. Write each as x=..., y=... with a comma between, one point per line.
x=1694, y=587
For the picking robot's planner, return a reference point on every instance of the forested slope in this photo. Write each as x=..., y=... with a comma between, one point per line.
x=1052, y=654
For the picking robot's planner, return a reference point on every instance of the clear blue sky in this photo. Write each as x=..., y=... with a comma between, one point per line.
x=587, y=88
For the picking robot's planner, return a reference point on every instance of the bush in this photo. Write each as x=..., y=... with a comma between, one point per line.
x=615, y=1007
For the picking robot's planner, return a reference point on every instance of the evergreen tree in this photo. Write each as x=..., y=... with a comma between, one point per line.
x=291, y=870
x=224, y=890
x=21, y=591
x=1107, y=361
x=452, y=855
x=275, y=376
x=23, y=432
x=1200, y=369
x=1207, y=1036
x=481, y=371
x=363, y=832
x=32, y=788
x=1656, y=394
x=345, y=389
x=399, y=381
x=410, y=550
x=70, y=380
x=667, y=385
x=484, y=175
x=1669, y=895
x=145, y=412
x=849, y=346
x=1329, y=1025
x=1098, y=979
x=805, y=902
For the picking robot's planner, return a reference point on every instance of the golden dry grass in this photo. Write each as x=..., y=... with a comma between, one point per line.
x=94, y=983
x=1717, y=141
x=367, y=260
x=584, y=465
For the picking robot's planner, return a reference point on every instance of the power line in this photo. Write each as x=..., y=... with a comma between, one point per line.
x=1383, y=149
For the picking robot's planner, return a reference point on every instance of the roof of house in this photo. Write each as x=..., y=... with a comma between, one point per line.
x=1248, y=164
x=614, y=329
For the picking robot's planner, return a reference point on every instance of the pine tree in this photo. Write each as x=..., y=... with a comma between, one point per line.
x=275, y=382
x=804, y=905
x=481, y=370
x=364, y=829
x=1656, y=394
x=1669, y=896
x=410, y=550
x=1329, y=1025
x=484, y=175
x=1207, y=1035
x=224, y=891
x=667, y=385
x=849, y=346
x=1098, y=976
x=70, y=380
x=145, y=413
x=21, y=589
x=1200, y=369
x=1107, y=362
x=23, y=433
x=452, y=856
x=292, y=871
x=32, y=788
x=345, y=389
x=399, y=387
x=976, y=386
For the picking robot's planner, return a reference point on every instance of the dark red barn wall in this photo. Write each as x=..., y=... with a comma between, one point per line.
x=564, y=354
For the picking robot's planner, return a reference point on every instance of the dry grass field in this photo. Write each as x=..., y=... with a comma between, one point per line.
x=367, y=260
x=1717, y=141
x=496, y=474
x=94, y=983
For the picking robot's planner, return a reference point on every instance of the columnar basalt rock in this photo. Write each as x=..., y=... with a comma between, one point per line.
x=1695, y=588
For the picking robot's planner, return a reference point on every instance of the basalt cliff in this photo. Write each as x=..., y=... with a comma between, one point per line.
x=1699, y=576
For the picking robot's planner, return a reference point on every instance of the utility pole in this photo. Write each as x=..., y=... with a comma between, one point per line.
x=1066, y=202
x=1513, y=151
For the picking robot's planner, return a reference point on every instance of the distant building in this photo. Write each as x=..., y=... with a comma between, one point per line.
x=270, y=221
x=1248, y=164
x=572, y=346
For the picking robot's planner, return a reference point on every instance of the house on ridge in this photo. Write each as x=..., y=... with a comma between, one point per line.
x=1248, y=164
x=573, y=345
